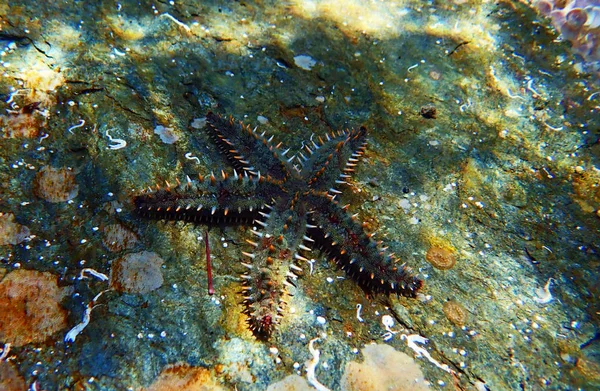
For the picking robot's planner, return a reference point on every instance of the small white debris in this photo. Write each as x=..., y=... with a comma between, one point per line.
x=305, y=62
x=177, y=22
x=320, y=99
x=198, y=123
x=388, y=322
x=166, y=135
x=423, y=298
x=413, y=339
x=273, y=350
x=321, y=320
x=404, y=204
x=311, y=365
x=75, y=331
x=262, y=120
x=5, y=351
x=189, y=156
x=574, y=324
x=544, y=296
x=100, y=276
x=79, y=125
x=358, y=309
x=119, y=53
x=117, y=143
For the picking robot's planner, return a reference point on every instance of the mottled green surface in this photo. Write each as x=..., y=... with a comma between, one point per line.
x=509, y=182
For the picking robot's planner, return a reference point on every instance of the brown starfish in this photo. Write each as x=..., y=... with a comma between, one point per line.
x=293, y=200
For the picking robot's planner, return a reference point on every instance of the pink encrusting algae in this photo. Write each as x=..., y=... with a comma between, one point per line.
x=578, y=21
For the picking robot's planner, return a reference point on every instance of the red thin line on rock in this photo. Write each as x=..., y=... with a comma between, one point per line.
x=211, y=290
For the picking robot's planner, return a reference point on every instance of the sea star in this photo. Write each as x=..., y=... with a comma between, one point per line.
x=295, y=208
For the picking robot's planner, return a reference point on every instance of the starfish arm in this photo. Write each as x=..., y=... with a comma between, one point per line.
x=246, y=150
x=229, y=201
x=270, y=267
x=332, y=163
x=345, y=241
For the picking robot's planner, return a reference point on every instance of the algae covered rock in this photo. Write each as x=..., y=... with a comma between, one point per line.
x=137, y=273
x=30, y=309
x=383, y=368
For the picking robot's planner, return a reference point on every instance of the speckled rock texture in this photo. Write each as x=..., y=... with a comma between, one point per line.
x=481, y=174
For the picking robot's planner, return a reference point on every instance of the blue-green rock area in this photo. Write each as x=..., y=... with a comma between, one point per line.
x=481, y=173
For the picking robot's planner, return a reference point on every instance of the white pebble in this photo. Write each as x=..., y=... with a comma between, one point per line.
x=167, y=135
x=305, y=62
x=198, y=123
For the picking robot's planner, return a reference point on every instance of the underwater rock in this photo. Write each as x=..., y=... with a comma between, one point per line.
x=41, y=82
x=25, y=123
x=11, y=232
x=30, y=308
x=383, y=368
x=167, y=135
x=55, y=184
x=586, y=189
x=291, y=383
x=137, y=273
x=429, y=111
x=118, y=238
x=10, y=380
x=183, y=377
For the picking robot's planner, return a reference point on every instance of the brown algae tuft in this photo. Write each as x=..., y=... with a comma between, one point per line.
x=456, y=313
x=442, y=258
